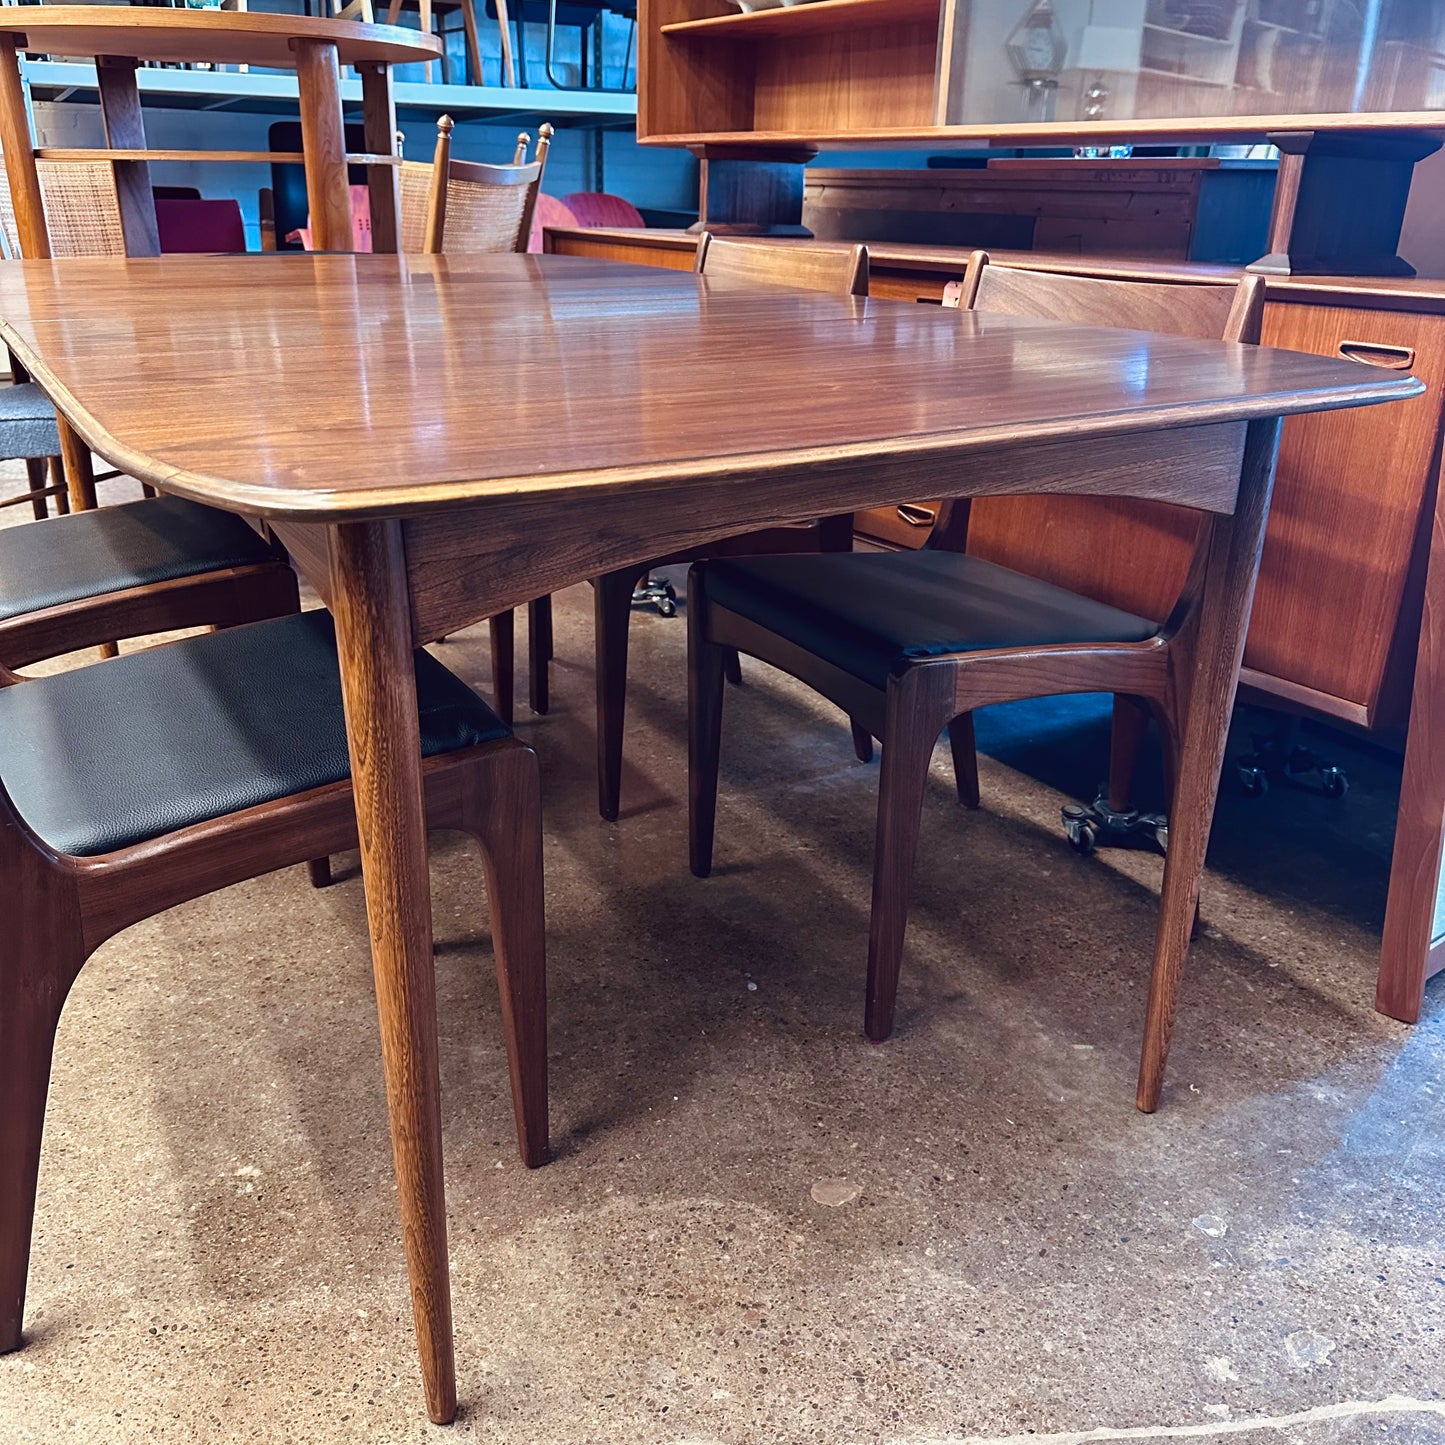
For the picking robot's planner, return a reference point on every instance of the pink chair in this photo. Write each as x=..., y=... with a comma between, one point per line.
x=550, y=212
x=597, y=208
x=360, y=223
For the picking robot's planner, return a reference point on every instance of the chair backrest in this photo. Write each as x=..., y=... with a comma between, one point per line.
x=1226, y=313
x=1209, y=312
x=82, y=215
x=464, y=206
x=807, y=268
x=600, y=208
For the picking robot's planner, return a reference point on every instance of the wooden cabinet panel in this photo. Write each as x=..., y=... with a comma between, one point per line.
x=1347, y=509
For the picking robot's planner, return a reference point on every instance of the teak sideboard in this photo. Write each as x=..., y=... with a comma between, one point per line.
x=1354, y=555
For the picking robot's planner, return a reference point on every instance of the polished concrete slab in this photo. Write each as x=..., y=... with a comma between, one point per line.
x=759, y=1228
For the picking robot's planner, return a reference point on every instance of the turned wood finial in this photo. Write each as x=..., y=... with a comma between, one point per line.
x=523, y=141
x=544, y=140
x=445, y=125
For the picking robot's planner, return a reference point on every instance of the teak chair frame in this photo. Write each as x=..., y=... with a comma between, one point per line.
x=802, y=267
x=1195, y=654
x=63, y=908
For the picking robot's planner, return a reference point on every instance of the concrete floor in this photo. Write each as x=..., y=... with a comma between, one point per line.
x=758, y=1228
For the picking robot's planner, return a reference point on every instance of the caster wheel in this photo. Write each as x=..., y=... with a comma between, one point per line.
x=1334, y=782
x=1083, y=839
x=666, y=606
x=1253, y=783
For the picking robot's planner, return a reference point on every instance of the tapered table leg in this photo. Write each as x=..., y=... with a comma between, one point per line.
x=1209, y=681
x=373, y=632
x=323, y=141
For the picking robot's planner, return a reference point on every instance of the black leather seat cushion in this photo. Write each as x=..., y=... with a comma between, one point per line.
x=122, y=751
x=870, y=612
x=88, y=554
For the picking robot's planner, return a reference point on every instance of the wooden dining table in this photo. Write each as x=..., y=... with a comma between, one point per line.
x=437, y=439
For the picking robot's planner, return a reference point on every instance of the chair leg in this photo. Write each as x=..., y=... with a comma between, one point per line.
x=319, y=871
x=732, y=666
x=539, y=654
x=505, y=816
x=473, y=43
x=35, y=475
x=1126, y=738
x=705, y=664
x=502, y=628
x=57, y=479
x=919, y=704
x=40, y=955
x=612, y=617
x=1209, y=668
x=965, y=759
x=862, y=743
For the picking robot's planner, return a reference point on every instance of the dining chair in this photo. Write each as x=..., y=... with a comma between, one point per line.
x=467, y=207
x=30, y=433
x=131, y=786
x=1141, y=307
x=909, y=642
x=800, y=267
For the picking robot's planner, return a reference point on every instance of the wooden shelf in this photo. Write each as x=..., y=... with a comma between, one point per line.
x=821, y=17
x=101, y=153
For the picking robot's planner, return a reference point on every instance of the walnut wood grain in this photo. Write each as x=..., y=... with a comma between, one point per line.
x=305, y=441
x=368, y=570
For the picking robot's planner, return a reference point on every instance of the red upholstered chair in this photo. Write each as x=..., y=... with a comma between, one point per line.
x=550, y=212
x=599, y=208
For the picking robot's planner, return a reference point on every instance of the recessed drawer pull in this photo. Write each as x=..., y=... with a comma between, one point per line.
x=1376, y=353
x=916, y=516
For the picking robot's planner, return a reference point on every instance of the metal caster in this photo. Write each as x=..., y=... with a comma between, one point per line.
x=657, y=592
x=1278, y=756
x=1253, y=782
x=1086, y=826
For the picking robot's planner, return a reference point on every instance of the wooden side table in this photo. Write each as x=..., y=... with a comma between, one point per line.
x=119, y=38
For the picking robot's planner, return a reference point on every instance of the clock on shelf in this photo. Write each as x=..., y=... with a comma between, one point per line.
x=1037, y=49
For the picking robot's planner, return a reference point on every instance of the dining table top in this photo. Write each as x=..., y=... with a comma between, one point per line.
x=328, y=388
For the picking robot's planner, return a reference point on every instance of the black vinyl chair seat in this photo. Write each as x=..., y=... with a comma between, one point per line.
x=111, y=549
x=116, y=753
x=870, y=613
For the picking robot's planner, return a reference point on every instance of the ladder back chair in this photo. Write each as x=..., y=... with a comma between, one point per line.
x=908, y=642
x=841, y=270
x=131, y=786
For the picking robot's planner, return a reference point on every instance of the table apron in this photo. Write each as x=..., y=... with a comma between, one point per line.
x=468, y=563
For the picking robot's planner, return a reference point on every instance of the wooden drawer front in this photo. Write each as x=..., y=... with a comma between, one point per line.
x=907, y=525
x=1347, y=507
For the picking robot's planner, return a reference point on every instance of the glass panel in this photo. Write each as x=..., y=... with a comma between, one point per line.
x=1071, y=60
